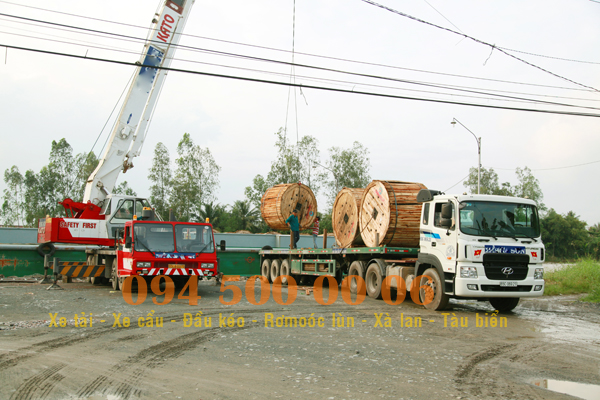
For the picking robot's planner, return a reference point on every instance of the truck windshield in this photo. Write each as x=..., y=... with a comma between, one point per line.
x=497, y=219
x=194, y=239
x=154, y=238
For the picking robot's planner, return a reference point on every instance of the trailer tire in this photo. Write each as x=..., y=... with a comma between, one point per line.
x=440, y=299
x=373, y=280
x=265, y=269
x=46, y=249
x=114, y=275
x=356, y=268
x=275, y=269
x=284, y=270
x=504, y=304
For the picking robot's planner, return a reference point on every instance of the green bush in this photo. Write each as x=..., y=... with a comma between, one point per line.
x=582, y=277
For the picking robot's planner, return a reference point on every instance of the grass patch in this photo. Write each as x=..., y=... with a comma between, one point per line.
x=582, y=277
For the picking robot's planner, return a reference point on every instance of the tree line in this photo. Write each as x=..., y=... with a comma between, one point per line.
x=187, y=187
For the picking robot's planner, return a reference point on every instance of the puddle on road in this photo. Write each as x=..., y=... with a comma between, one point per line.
x=559, y=323
x=582, y=390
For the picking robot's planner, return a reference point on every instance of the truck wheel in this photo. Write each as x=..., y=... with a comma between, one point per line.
x=284, y=270
x=275, y=269
x=265, y=269
x=433, y=291
x=373, y=279
x=504, y=304
x=114, y=276
x=356, y=268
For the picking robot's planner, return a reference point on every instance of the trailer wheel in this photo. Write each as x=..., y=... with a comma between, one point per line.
x=504, y=304
x=356, y=268
x=434, y=289
x=275, y=269
x=114, y=275
x=373, y=280
x=284, y=270
x=265, y=269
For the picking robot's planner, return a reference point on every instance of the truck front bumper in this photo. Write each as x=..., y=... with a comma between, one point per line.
x=483, y=287
x=173, y=271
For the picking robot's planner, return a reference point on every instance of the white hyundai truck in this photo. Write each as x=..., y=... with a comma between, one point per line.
x=479, y=247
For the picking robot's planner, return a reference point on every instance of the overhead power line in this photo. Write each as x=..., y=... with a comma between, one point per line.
x=306, y=54
x=492, y=46
x=245, y=44
x=572, y=113
x=550, y=169
x=427, y=84
x=292, y=64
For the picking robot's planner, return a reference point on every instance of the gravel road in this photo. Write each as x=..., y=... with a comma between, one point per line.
x=250, y=357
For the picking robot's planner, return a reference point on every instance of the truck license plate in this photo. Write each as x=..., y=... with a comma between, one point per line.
x=508, y=284
x=176, y=266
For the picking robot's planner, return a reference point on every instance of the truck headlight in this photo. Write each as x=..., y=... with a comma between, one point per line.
x=468, y=272
x=207, y=265
x=143, y=264
x=539, y=273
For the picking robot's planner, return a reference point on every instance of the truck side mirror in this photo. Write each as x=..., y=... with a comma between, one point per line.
x=446, y=223
x=222, y=245
x=128, y=241
x=447, y=211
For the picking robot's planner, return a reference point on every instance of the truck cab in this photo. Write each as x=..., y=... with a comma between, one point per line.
x=480, y=246
x=175, y=249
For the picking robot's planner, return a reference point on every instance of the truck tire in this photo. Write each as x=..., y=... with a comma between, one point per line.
x=275, y=269
x=504, y=304
x=284, y=270
x=114, y=275
x=46, y=249
x=440, y=299
x=373, y=280
x=265, y=269
x=356, y=268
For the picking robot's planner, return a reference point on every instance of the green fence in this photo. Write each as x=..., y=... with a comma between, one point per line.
x=28, y=262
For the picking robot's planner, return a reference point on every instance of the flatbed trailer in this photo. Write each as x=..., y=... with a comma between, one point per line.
x=371, y=263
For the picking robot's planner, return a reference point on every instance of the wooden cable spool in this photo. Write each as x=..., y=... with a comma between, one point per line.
x=279, y=201
x=345, y=217
x=390, y=209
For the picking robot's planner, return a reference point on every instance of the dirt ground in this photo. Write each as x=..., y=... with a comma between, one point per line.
x=381, y=356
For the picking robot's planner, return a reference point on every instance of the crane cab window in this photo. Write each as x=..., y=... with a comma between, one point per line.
x=106, y=208
x=124, y=211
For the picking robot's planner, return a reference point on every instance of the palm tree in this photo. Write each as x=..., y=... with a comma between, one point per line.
x=214, y=213
x=246, y=216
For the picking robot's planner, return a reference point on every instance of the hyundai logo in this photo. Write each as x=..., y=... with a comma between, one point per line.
x=507, y=270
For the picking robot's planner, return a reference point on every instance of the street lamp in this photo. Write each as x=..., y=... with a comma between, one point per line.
x=332, y=171
x=478, y=139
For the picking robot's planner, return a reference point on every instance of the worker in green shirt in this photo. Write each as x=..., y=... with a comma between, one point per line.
x=294, y=225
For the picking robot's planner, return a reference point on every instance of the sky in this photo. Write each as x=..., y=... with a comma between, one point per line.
x=555, y=58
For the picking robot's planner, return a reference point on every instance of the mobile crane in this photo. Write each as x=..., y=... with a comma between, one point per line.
x=132, y=238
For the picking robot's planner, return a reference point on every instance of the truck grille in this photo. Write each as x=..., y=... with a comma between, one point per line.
x=494, y=263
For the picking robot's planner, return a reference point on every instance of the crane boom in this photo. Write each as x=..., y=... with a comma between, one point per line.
x=128, y=135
